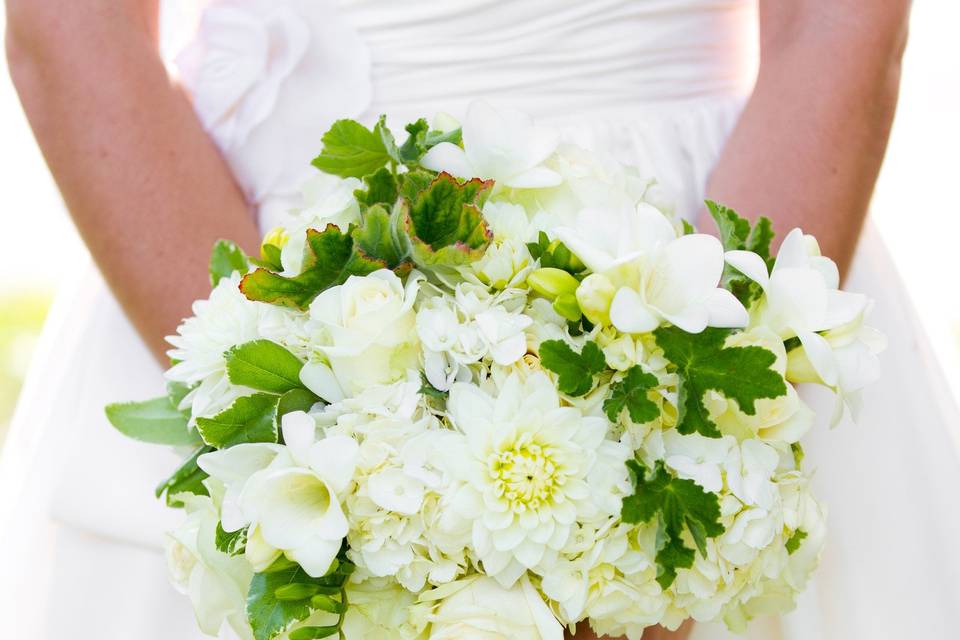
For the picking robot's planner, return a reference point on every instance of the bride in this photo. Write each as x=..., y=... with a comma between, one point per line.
x=154, y=171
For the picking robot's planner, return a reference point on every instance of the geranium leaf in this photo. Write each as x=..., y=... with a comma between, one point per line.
x=631, y=393
x=676, y=504
x=421, y=139
x=444, y=224
x=157, y=421
x=263, y=365
x=352, y=150
x=248, y=419
x=703, y=363
x=330, y=259
x=381, y=188
x=575, y=371
x=375, y=239
x=226, y=258
x=412, y=184
x=736, y=234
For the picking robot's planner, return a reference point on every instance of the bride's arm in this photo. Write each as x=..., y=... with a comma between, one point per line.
x=810, y=142
x=144, y=184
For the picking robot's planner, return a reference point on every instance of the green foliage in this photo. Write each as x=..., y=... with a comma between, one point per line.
x=554, y=255
x=795, y=541
x=677, y=505
x=226, y=258
x=576, y=371
x=285, y=594
x=157, y=421
x=631, y=393
x=421, y=139
x=263, y=365
x=233, y=543
x=188, y=478
x=350, y=150
x=294, y=400
x=430, y=391
x=381, y=187
x=703, y=363
x=331, y=259
x=443, y=222
x=736, y=234
x=376, y=240
x=248, y=419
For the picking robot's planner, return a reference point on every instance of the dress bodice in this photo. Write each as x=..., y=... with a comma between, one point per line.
x=658, y=82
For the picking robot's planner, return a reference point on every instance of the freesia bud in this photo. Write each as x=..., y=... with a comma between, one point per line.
x=595, y=296
x=566, y=305
x=552, y=283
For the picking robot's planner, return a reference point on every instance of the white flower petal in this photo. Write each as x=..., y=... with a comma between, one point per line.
x=820, y=354
x=749, y=264
x=334, y=459
x=319, y=378
x=299, y=434
x=448, y=157
x=725, y=310
x=630, y=314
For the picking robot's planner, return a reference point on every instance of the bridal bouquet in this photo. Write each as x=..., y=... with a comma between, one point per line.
x=483, y=384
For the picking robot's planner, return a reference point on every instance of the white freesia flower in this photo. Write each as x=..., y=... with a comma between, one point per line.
x=366, y=330
x=293, y=504
x=478, y=608
x=503, y=145
x=215, y=582
x=524, y=465
x=327, y=199
x=658, y=276
x=801, y=297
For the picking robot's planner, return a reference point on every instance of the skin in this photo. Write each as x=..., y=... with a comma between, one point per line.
x=150, y=194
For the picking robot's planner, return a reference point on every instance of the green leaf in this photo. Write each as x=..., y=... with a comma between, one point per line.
x=793, y=544
x=381, y=188
x=294, y=400
x=188, y=478
x=420, y=140
x=427, y=389
x=329, y=261
x=350, y=150
x=176, y=392
x=226, y=258
x=249, y=419
x=157, y=421
x=414, y=183
x=575, y=370
x=375, y=240
x=263, y=365
x=736, y=234
x=232, y=543
x=284, y=594
x=631, y=393
x=703, y=363
x=444, y=224
x=554, y=254
x=676, y=504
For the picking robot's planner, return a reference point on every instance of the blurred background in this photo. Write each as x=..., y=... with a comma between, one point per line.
x=915, y=207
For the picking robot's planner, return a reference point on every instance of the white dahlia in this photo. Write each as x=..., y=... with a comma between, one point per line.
x=524, y=471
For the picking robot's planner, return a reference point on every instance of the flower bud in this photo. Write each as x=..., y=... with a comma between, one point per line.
x=566, y=305
x=595, y=296
x=800, y=369
x=276, y=237
x=552, y=283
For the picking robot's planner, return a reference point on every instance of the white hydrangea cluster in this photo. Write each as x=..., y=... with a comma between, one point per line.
x=563, y=407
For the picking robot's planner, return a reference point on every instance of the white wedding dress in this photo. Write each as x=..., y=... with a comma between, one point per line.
x=658, y=82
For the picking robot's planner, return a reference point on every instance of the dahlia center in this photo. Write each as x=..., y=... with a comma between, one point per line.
x=526, y=474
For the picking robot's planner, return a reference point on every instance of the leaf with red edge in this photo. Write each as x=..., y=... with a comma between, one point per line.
x=331, y=258
x=444, y=224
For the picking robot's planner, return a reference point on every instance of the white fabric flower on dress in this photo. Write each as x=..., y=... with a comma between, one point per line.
x=524, y=465
x=292, y=504
x=503, y=145
x=658, y=276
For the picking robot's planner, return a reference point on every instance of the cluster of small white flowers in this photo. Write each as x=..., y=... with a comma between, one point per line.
x=449, y=460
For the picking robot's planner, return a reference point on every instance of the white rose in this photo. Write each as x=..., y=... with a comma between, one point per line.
x=480, y=609
x=368, y=330
x=379, y=610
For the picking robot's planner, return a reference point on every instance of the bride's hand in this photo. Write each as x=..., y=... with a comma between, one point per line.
x=653, y=633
